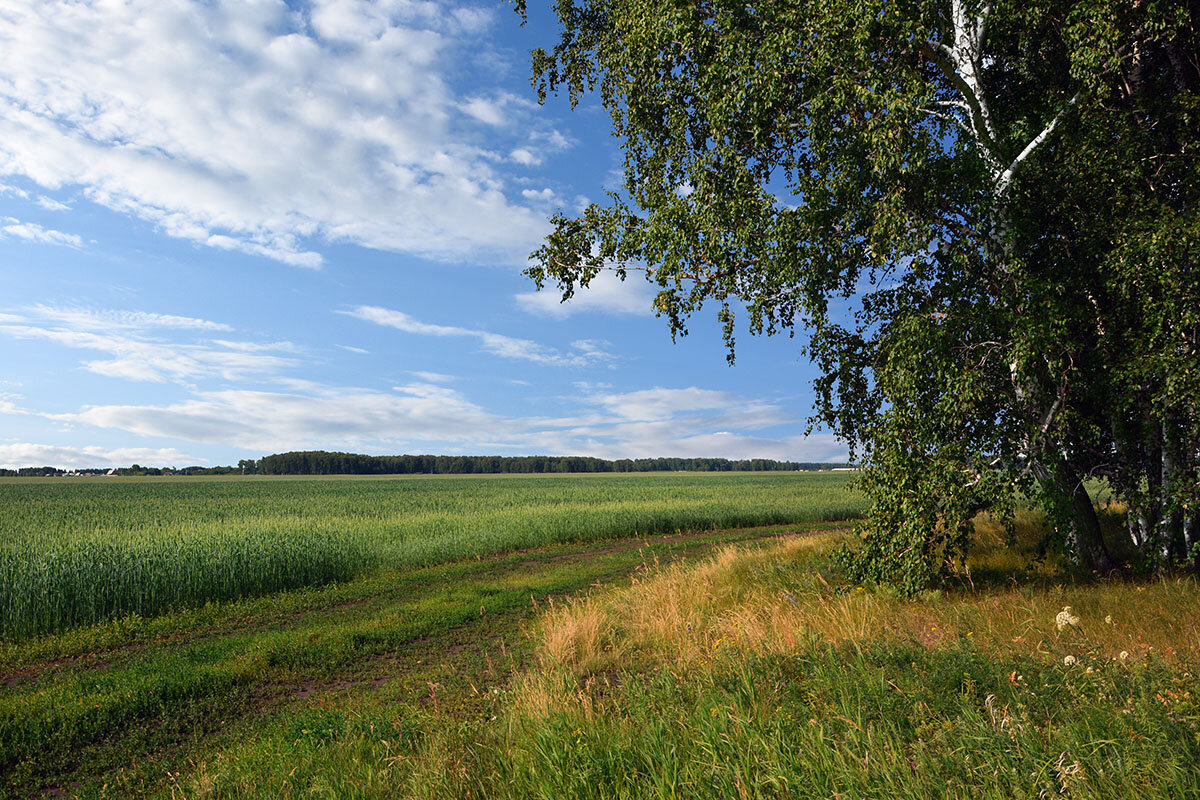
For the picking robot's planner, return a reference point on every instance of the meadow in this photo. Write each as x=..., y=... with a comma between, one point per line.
x=76, y=551
x=726, y=662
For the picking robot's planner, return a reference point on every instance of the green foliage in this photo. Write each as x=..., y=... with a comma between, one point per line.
x=981, y=214
x=76, y=552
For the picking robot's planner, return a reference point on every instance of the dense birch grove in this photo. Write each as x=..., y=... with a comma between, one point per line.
x=979, y=218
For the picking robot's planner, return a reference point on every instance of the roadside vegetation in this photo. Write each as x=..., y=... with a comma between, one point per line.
x=80, y=551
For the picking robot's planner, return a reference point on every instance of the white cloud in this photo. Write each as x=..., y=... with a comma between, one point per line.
x=138, y=352
x=434, y=377
x=351, y=349
x=258, y=347
x=32, y=232
x=583, y=352
x=659, y=404
x=254, y=126
x=274, y=421
x=496, y=110
x=108, y=320
x=542, y=196
x=606, y=294
x=553, y=140
x=687, y=422
x=646, y=423
x=26, y=454
x=523, y=155
x=50, y=204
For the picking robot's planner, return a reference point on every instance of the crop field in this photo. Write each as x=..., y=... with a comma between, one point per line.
x=75, y=552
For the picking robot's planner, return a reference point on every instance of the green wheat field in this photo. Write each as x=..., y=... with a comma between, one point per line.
x=78, y=551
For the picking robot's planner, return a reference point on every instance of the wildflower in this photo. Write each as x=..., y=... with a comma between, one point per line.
x=1108, y=619
x=1069, y=661
x=1124, y=655
x=1090, y=670
x=1065, y=619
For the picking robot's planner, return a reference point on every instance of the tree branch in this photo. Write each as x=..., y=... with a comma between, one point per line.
x=1004, y=180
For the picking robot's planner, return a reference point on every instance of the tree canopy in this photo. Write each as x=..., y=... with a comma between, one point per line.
x=981, y=215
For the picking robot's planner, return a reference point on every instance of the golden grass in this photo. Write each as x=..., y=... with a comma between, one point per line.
x=767, y=599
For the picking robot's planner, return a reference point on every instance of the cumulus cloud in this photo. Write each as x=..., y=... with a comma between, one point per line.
x=251, y=125
x=546, y=197
x=138, y=351
x=582, y=353
x=27, y=454
x=11, y=227
x=525, y=156
x=606, y=294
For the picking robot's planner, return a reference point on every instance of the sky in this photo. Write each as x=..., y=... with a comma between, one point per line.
x=238, y=227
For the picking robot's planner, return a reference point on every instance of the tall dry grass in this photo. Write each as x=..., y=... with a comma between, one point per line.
x=770, y=599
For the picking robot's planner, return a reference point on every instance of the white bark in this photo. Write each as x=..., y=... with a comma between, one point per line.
x=1004, y=180
x=960, y=60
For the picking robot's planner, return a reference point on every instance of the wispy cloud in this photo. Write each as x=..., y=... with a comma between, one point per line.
x=50, y=204
x=434, y=377
x=582, y=353
x=193, y=116
x=10, y=227
x=108, y=320
x=138, y=352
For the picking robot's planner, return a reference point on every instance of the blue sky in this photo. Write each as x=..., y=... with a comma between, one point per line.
x=235, y=228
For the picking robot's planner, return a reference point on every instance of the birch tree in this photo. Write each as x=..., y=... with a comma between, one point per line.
x=981, y=217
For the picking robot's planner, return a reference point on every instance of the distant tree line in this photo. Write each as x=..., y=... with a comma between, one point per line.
x=319, y=462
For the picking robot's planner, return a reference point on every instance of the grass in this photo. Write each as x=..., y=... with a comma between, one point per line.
x=75, y=552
